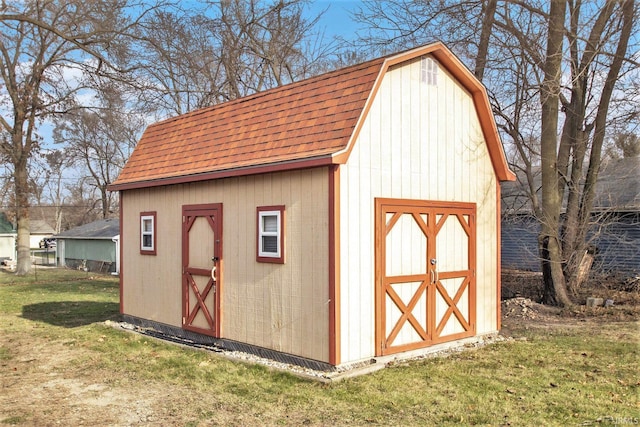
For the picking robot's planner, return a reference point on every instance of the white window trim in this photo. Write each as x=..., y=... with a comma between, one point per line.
x=278, y=213
x=262, y=233
x=151, y=233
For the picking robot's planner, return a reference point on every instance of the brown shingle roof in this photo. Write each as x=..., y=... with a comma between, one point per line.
x=311, y=118
x=311, y=122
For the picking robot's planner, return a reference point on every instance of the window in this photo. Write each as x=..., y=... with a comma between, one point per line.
x=148, y=233
x=429, y=70
x=270, y=234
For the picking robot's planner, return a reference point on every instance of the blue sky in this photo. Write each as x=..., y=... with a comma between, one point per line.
x=336, y=20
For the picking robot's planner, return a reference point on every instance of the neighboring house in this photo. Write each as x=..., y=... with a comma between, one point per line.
x=7, y=238
x=614, y=234
x=39, y=230
x=8, y=235
x=90, y=247
x=326, y=222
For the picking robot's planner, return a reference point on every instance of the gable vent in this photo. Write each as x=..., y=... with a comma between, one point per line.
x=429, y=70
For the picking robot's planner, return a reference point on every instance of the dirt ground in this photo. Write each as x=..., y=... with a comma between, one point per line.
x=522, y=295
x=40, y=387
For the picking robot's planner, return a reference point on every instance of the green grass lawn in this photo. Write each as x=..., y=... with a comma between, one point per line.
x=579, y=374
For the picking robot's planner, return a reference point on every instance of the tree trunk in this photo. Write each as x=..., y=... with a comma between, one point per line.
x=550, y=247
x=555, y=290
x=573, y=247
x=23, y=265
x=485, y=35
x=105, y=201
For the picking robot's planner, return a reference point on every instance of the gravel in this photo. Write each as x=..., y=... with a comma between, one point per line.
x=341, y=372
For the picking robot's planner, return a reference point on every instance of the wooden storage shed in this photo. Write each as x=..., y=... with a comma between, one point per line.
x=326, y=222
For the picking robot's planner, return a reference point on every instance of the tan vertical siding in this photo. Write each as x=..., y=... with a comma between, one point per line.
x=423, y=142
x=277, y=306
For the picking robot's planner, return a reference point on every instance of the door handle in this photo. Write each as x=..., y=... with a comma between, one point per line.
x=434, y=276
x=434, y=272
x=213, y=270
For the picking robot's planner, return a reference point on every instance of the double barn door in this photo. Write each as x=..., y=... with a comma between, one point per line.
x=425, y=273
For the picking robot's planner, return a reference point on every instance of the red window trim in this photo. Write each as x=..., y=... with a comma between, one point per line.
x=152, y=214
x=275, y=260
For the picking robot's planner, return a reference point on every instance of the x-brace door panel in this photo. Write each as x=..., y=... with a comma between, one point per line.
x=425, y=273
x=201, y=268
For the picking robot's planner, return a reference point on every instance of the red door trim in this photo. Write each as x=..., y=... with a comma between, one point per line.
x=334, y=264
x=122, y=235
x=189, y=310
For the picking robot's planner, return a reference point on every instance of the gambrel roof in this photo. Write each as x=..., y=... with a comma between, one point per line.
x=309, y=123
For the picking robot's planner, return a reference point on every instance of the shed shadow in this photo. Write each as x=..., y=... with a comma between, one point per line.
x=71, y=314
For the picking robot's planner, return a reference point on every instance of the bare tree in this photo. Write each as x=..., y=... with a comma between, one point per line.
x=549, y=241
x=42, y=45
x=225, y=50
x=552, y=69
x=586, y=117
x=57, y=163
x=83, y=205
x=99, y=140
x=179, y=69
x=48, y=187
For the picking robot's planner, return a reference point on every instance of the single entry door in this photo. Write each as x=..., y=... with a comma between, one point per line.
x=425, y=273
x=201, y=268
